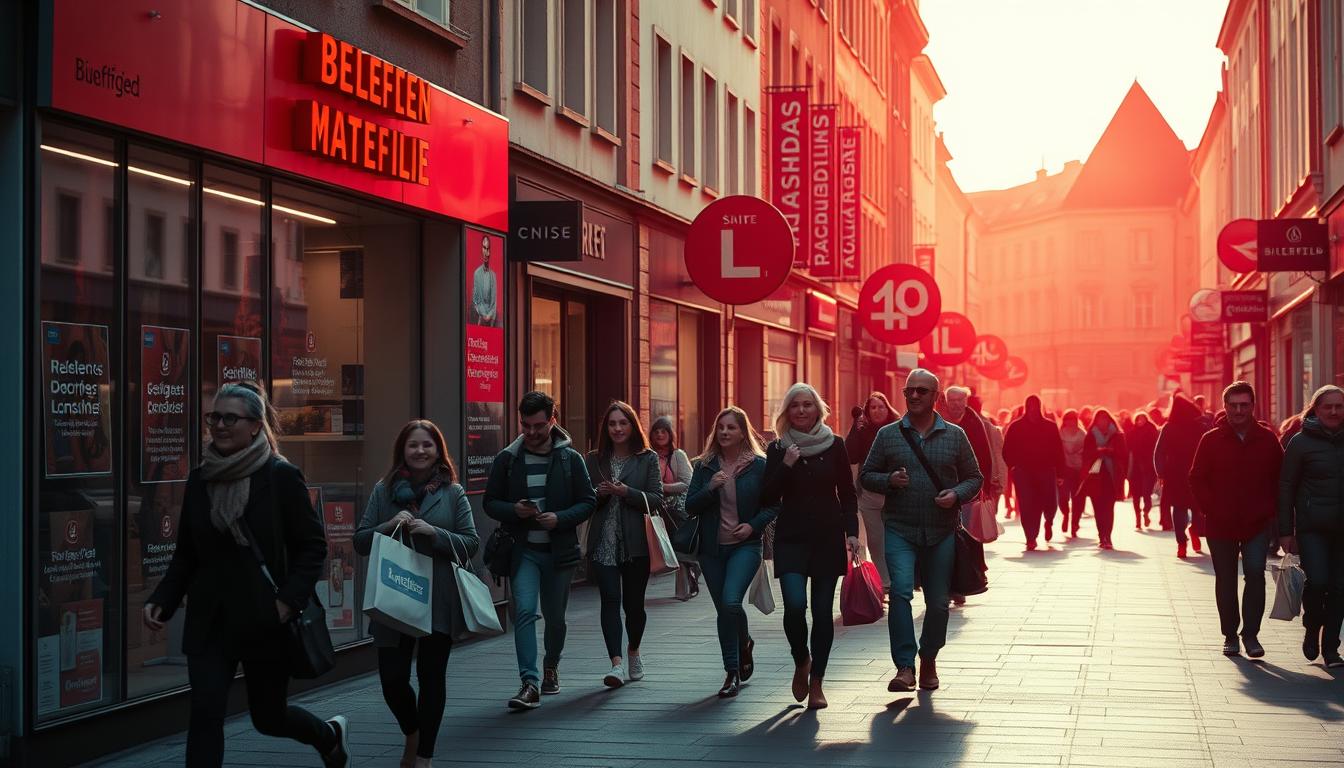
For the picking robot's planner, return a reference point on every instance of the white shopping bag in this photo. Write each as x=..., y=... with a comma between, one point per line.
x=759, y=593
x=1289, y=578
x=474, y=598
x=662, y=558
x=398, y=591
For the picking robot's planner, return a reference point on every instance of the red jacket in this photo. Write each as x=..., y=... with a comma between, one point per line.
x=1236, y=482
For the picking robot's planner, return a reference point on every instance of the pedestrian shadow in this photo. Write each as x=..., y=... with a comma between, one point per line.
x=1287, y=689
x=1121, y=555
x=912, y=726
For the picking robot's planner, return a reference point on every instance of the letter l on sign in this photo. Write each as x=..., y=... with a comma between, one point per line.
x=727, y=267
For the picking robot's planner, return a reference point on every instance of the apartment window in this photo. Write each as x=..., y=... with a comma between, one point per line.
x=154, y=245
x=795, y=65
x=712, y=132
x=776, y=55
x=1145, y=315
x=732, y=11
x=749, y=18
x=663, y=99
x=1332, y=54
x=535, y=45
x=1141, y=244
x=1088, y=310
x=228, y=257
x=750, y=162
x=604, y=67
x=434, y=10
x=733, y=155
x=68, y=227
x=1089, y=249
x=574, y=97
x=687, y=117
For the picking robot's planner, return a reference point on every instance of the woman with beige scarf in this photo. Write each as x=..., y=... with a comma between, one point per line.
x=807, y=476
x=243, y=493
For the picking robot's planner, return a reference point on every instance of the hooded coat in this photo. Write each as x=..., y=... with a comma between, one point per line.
x=1235, y=481
x=1175, y=452
x=1142, y=442
x=569, y=494
x=1032, y=442
x=1311, y=483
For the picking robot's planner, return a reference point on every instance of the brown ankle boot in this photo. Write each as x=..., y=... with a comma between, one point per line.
x=815, y=698
x=928, y=674
x=801, y=670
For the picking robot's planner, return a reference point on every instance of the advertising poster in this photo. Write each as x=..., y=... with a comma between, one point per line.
x=239, y=359
x=70, y=662
x=484, y=353
x=70, y=614
x=76, y=399
x=337, y=589
x=164, y=425
x=790, y=165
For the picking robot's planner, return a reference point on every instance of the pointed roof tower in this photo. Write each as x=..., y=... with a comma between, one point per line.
x=1137, y=162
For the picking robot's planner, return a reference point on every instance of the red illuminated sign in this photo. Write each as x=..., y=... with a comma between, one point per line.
x=739, y=250
x=899, y=304
x=340, y=66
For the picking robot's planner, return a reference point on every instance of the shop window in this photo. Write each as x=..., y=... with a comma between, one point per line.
x=663, y=100
x=663, y=361
x=545, y=346
x=78, y=609
x=152, y=237
x=109, y=235
x=605, y=65
x=575, y=55
x=689, y=374
x=231, y=312
x=228, y=257
x=712, y=132
x=781, y=372
x=534, y=51
x=821, y=368
x=344, y=370
x=688, y=127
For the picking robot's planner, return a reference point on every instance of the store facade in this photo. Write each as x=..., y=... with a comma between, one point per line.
x=216, y=194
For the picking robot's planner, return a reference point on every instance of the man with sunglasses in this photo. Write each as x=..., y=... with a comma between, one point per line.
x=927, y=470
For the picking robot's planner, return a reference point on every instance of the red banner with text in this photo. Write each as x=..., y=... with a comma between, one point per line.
x=790, y=166
x=849, y=212
x=822, y=219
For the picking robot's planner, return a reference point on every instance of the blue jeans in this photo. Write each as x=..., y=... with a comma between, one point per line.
x=537, y=580
x=727, y=575
x=1323, y=594
x=935, y=564
x=794, y=587
x=1254, y=551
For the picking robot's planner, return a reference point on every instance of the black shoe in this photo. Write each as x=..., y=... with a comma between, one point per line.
x=1311, y=644
x=1231, y=647
x=731, y=684
x=528, y=698
x=1253, y=647
x=746, y=663
x=339, y=756
x=1333, y=661
x=550, y=681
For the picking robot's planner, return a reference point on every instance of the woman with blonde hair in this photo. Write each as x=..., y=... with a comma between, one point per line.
x=724, y=500
x=807, y=476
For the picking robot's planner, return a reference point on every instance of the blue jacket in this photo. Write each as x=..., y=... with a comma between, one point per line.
x=702, y=504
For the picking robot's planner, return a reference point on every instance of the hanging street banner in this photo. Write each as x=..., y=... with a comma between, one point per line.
x=739, y=250
x=924, y=258
x=1293, y=245
x=822, y=262
x=849, y=208
x=790, y=165
x=899, y=304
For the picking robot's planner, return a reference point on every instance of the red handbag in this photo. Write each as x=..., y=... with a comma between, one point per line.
x=860, y=595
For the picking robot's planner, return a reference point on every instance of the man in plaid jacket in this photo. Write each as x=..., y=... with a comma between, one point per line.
x=921, y=516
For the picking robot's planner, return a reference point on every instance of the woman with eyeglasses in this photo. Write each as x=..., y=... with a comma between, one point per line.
x=242, y=500
x=420, y=496
x=807, y=476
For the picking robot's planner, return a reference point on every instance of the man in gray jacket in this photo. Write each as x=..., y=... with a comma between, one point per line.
x=921, y=514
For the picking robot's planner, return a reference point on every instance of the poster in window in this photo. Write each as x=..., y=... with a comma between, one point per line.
x=70, y=661
x=337, y=589
x=484, y=364
x=238, y=358
x=76, y=399
x=70, y=621
x=164, y=425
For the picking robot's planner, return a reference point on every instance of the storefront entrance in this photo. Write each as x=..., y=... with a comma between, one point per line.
x=578, y=353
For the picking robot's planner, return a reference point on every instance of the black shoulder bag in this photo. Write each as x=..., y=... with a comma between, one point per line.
x=308, y=643
x=969, y=568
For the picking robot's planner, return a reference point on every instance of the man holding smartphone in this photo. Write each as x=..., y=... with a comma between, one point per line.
x=539, y=488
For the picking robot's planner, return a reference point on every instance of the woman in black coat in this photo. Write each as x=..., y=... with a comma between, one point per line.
x=244, y=494
x=807, y=475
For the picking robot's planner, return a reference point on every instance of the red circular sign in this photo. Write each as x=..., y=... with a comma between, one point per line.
x=739, y=250
x=1237, y=245
x=900, y=304
x=951, y=342
x=1206, y=305
x=989, y=355
x=1014, y=372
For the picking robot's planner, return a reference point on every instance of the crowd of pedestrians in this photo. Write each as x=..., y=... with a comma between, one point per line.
x=897, y=488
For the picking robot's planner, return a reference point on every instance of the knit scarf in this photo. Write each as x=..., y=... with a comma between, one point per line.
x=405, y=494
x=228, y=479
x=812, y=443
x=1102, y=438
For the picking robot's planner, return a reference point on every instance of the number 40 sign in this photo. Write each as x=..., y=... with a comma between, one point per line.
x=900, y=304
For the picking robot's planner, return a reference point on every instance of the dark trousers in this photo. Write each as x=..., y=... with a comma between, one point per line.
x=1036, y=489
x=620, y=586
x=1253, y=552
x=794, y=587
x=211, y=675
x=1323, y=595
x=431, y=669
x=1070, y=501
x=728, y=575
x=1102, y=494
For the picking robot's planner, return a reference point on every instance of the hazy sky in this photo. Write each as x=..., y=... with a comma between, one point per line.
x=1033, y=79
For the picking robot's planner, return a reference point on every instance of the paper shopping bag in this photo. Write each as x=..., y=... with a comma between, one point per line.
x=398, y=591
x=662, y=558
x=759, y=593
x=1289, y=578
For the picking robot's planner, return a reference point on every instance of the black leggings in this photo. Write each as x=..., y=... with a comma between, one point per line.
x=623, y=586
x=794, y=588
x=431, y=669
x=211, y=675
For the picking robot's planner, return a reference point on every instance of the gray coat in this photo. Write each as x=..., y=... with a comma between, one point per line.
x=448, y=510
x=643, y=475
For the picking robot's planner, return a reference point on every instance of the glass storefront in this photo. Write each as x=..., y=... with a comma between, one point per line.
x=680, y=354
x=149, y=300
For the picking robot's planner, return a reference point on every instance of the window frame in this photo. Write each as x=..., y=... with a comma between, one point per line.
x=664, y=122
x=711, y=133
x=690, y=129
x=522, y=84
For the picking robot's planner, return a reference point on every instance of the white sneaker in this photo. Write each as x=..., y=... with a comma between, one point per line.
x=636, y=668
x=615, y=678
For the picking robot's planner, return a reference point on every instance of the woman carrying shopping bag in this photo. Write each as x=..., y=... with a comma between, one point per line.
x=244, y=499
x=675, y=469
x=1311, y=519
x=807, y=476
x=629, y=488
x=724, y=501
x=420, y=495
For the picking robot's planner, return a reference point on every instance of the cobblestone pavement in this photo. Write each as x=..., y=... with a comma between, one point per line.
x=1074, y=657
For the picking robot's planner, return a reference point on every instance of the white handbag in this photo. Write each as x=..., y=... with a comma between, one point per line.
x=759, y=593
x=399, y=586
x=473, y=596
